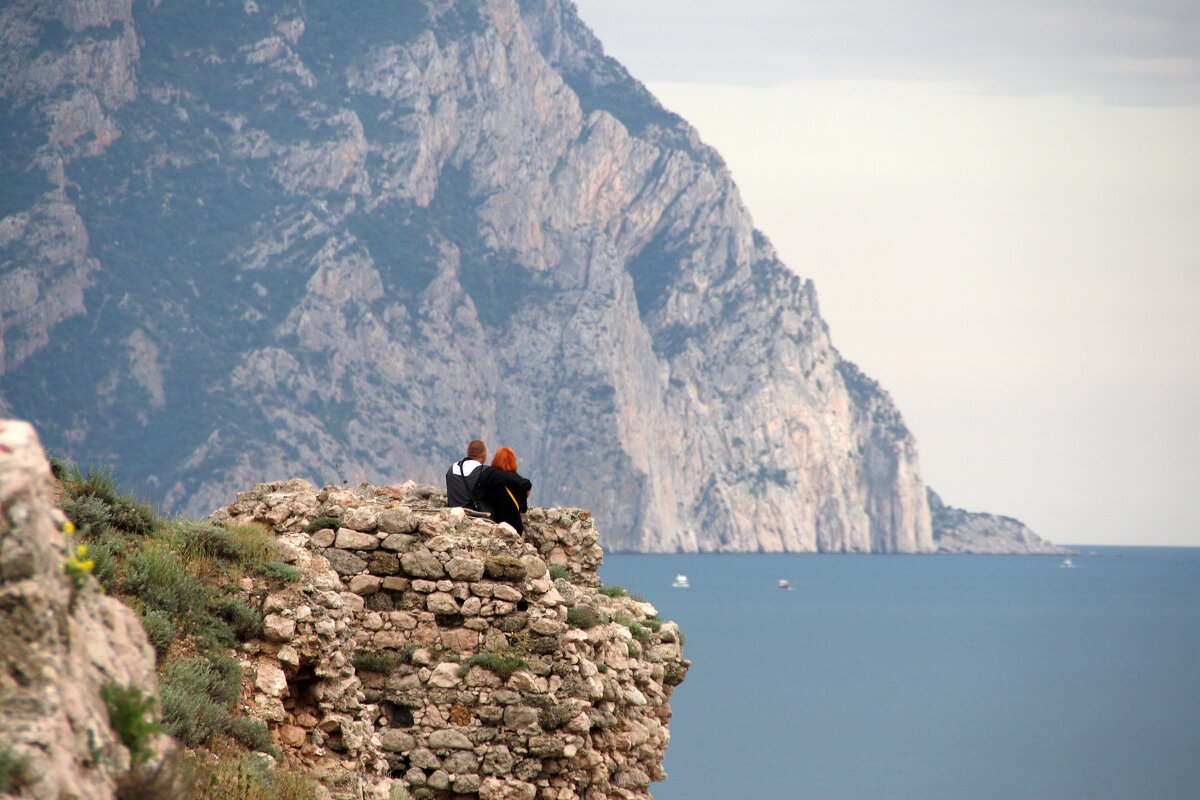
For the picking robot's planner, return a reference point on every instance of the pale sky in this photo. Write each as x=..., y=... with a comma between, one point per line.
x=999, y=204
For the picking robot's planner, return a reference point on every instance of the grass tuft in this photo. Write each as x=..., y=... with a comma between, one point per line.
x=130, y=712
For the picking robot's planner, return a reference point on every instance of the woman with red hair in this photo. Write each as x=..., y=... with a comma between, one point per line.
x=507, y=504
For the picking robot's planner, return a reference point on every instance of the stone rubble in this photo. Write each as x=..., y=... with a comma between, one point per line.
x=364, y=664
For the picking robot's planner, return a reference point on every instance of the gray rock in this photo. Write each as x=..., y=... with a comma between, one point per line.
x=397, y=521
x=449, y=739
x=345, y=564
x=421, y=564
x=349, y=539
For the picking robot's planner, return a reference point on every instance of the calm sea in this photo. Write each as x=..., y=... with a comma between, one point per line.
x=932, y=677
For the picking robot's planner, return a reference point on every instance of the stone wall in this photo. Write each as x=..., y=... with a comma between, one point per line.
x=364, y=673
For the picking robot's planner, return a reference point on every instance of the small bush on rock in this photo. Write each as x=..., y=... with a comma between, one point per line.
x=323, y=522
x=278, y=569
x=197, y=694
x=503, y=664
x=130, y=714
x=583, y=617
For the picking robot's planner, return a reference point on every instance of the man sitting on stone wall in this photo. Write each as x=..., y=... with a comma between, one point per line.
x=469, y=481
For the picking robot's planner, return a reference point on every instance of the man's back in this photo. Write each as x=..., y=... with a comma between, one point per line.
x=461, y=484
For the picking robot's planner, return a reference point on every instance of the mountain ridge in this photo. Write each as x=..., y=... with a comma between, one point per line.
x=281, y=243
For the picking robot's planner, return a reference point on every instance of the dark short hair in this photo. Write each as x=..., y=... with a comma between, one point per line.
x=477, y=450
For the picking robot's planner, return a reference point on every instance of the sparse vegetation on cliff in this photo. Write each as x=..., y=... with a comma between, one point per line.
x=176, y=574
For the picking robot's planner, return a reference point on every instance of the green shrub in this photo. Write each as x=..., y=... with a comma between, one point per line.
x=503, y=664
x=98, y=483
x=245, y=622
x=130, y=712
x=132, y=517
x=245, y=545
x=104, y=551
x=558, y=571
x=87, y=513
x=253, y=733
x=613, y=591
x=249, y=778
x=374, y=661
x=14, y=771
x=197, y=694
x=278, y=569
x=583, y=617
x=323, y=522
x=156, y=576
x=653, y=623
x=160, y=629
x=639, y=632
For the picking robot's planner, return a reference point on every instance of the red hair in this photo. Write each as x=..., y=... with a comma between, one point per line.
x=505, y=459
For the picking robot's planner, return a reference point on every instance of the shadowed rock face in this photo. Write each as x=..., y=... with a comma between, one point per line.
x=255, y=240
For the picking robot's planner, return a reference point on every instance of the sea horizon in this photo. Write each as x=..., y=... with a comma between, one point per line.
x=962, y=677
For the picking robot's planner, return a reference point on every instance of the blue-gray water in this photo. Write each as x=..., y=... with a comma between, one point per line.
x=932, y=677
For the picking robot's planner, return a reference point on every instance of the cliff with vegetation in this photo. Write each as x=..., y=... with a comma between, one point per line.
x=247, y=240
x=311, y=643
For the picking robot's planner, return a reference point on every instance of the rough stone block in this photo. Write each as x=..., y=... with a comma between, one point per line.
x=350, y=539
x=504, y=568
x=503, y=591
x=365, y=584
x=271, y=680
x=383, y=563
x=397, y=521
x=364, y=519
x=345, y=564
x=395, y=741
x=279, y=629
x=421, y=564
x=449, y=739
x=460, y=640
x=492, y=788
x=442, y=603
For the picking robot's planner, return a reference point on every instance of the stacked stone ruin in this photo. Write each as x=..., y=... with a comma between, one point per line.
x=364, y=672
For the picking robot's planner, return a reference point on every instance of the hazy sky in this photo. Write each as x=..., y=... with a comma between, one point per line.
x=999, y=204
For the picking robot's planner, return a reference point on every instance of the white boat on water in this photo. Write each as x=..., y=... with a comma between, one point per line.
x=782, y=584
x=681, y=582
x=1066, y=562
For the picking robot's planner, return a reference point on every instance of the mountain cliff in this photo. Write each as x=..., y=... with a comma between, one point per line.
x=249, y=240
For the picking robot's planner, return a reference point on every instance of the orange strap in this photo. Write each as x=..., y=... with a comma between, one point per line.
x=515, y=503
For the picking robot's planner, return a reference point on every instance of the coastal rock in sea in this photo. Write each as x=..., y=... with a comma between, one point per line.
x=243, y=241
x=60, y=644
x=959, y=531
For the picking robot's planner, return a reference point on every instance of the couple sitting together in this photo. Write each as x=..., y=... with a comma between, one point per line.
x=496, y=490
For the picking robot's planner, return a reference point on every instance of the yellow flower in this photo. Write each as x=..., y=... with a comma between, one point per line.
x=68, y=527
x=81, y=552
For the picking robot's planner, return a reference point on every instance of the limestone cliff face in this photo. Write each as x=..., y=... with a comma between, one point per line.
x=60, y=644
x=263, y=239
